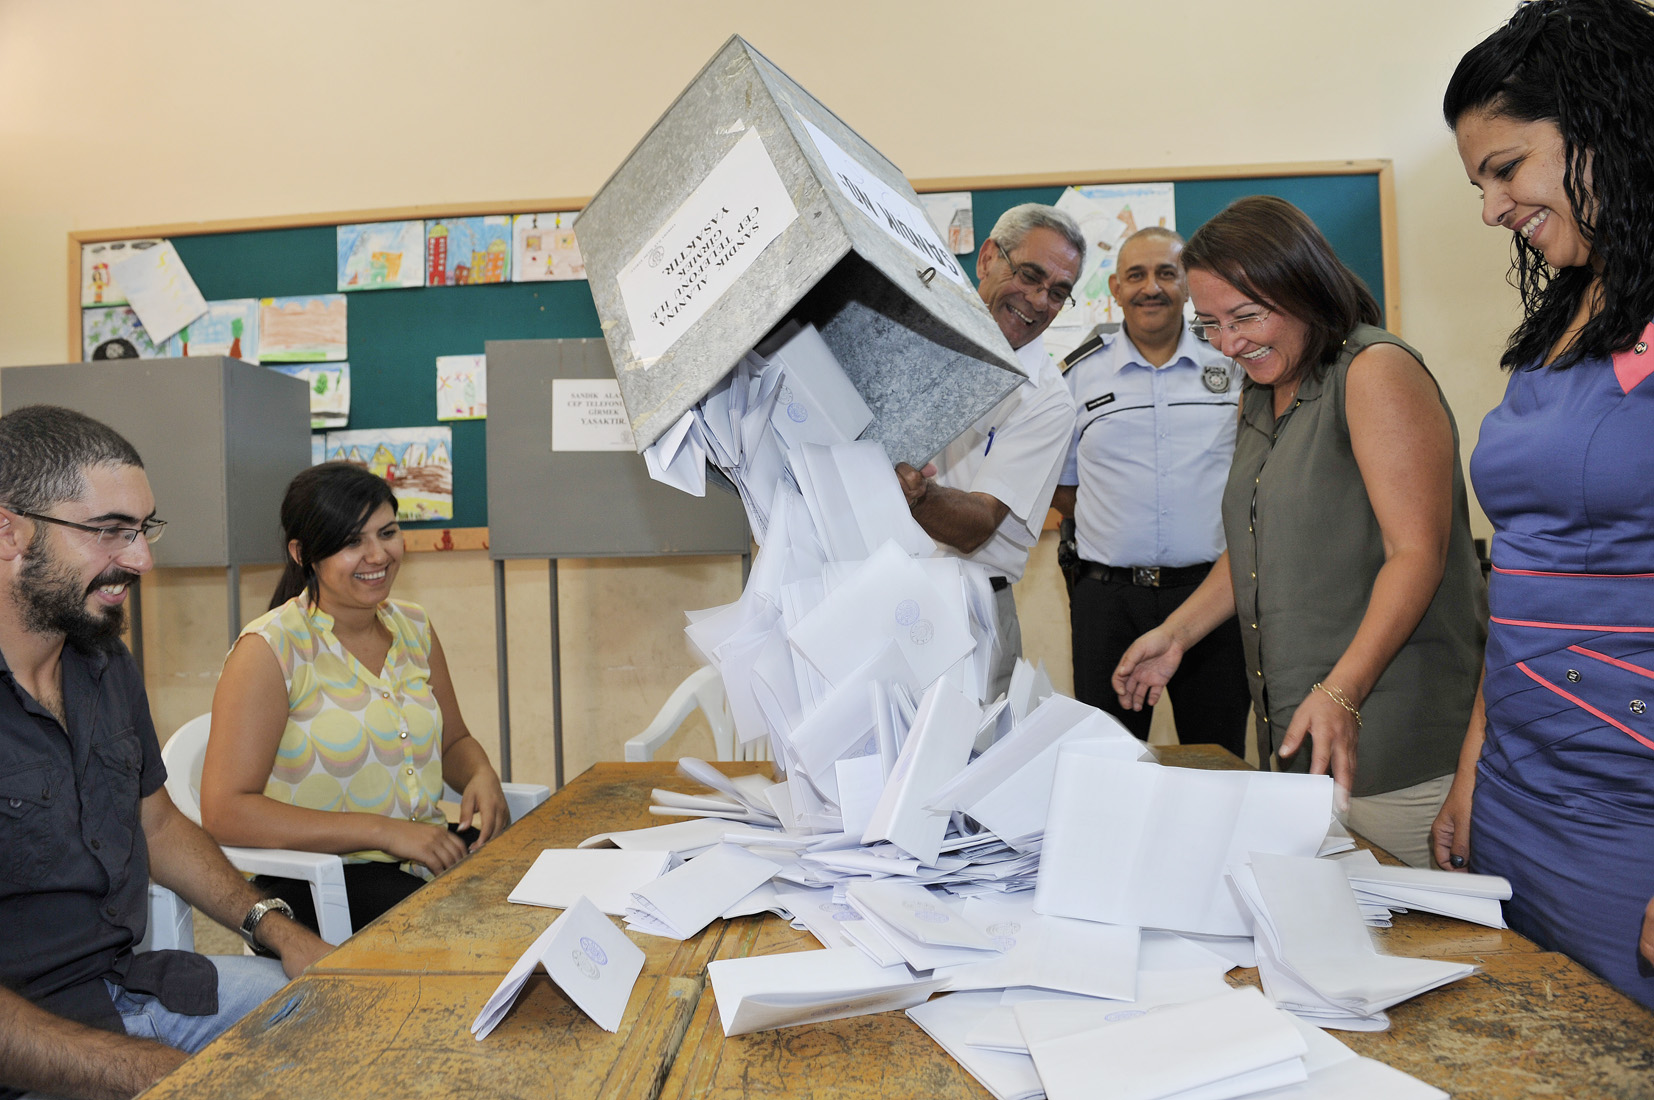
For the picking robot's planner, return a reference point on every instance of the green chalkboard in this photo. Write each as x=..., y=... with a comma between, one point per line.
x=396, y=335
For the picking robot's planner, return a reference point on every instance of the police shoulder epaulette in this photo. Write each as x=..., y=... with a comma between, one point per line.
x=1094, y=342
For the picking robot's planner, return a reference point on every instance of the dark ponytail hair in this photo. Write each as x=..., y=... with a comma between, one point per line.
x=1587, y=67
x=323, y=510
x=1271, y=251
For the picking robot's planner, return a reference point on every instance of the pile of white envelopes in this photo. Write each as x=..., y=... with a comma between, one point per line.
x=1025, y=856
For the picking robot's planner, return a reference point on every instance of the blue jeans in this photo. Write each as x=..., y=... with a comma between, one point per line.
x=244, y=982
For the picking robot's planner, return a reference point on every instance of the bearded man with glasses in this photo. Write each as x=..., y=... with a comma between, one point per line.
x=85, y=820
x=986, y=495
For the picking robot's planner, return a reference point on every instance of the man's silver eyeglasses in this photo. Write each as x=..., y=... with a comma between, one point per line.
x=1031, y=278
x=1244, y=325
x=107, y=538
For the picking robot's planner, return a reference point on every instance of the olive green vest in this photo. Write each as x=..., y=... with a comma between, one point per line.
x=1304, y=550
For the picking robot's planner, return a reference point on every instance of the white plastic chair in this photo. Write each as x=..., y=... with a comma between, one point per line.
x=703, y=689
x=183, y=755
x=171, y=922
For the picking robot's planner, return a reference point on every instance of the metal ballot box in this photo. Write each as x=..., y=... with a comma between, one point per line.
x=750, y=203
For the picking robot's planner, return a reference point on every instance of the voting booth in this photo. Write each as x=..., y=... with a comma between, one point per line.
x=750, y=204
x=220, y=440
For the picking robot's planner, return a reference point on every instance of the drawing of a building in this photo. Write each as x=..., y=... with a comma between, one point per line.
x=436, y=252
x=489, y=266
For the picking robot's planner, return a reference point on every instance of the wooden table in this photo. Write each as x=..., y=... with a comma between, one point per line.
x=388, y=1012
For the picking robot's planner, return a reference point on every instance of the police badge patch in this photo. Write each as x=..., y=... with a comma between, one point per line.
x=1215, y=376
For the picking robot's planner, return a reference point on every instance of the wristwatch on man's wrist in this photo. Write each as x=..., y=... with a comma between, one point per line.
x=261, y=909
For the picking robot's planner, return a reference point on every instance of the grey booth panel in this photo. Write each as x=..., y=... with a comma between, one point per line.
x=582, y=504
x=220, y=440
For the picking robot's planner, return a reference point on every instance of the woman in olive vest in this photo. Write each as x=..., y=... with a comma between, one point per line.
x=1349, y=555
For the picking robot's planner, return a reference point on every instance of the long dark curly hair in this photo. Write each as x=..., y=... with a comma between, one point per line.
x=1586, y=66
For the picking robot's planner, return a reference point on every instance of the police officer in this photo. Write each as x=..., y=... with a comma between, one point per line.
x=1145, y=473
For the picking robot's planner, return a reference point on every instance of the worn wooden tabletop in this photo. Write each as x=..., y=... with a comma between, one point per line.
x=389, y=1011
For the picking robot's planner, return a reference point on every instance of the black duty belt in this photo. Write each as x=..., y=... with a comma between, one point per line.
x=1146, y=576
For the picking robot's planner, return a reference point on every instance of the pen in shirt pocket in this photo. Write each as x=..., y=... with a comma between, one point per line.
x=990, y=445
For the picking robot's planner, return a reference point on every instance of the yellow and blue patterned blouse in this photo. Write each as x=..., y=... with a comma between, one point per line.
x=356, y=740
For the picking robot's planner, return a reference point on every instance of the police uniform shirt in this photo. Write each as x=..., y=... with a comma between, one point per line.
x=1015, y=454
x=1151, y=452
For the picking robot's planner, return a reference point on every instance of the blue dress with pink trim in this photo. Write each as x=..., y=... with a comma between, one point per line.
x=1564, y=803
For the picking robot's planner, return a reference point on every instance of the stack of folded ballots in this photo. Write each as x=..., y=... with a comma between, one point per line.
x=1381, y=890
x=1129, y=909
x=1315, y=955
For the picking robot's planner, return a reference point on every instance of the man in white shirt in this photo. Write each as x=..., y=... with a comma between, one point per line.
x=1152, y=444
x=986, y=496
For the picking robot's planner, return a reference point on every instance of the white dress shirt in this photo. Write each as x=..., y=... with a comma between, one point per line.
x=1150, y=453
x=1014, y=454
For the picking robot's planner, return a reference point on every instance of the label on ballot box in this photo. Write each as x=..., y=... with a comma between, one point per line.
x=905, y=223
x=705, y=246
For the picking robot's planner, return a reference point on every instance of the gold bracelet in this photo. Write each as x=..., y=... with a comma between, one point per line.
x=1340, y=698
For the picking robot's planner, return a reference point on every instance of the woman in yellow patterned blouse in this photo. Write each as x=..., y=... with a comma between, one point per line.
x=335, y=722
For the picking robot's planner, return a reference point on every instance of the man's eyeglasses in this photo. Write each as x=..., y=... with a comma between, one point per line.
x=1244, y=325
x=107, y=538
x=1031, y=279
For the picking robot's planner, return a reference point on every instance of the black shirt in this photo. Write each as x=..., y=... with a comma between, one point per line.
x=74, y=863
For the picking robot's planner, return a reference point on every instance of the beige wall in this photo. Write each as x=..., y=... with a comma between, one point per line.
x=116, y=114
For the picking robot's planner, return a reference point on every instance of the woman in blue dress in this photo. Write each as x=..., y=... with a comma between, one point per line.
x=1554, y=118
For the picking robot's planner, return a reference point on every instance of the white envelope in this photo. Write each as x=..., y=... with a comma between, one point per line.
x=505, y=994
x=918, y=914
x=1057, y=953
x=561, y=876
x=1308, y=921
x=889, y=597
x=948, y=1019
x=1008, y=788
x=678, y=457
x=936, y=747
x=833, y=729
x=770, y=991
x=682, y=838
x=685, y=900
x=1356, y=1079
x=1241, y=1036
x=872, y=942
x=1030, y=686
x=747, y=789
x=818, y=402
x=827, y=498
x=1136, y=843
x=816, y=911
x=1055, y=1016
x=761, y=900
x=587, y=956
x=860, y=782
x=1451, y=893
x=877, y=501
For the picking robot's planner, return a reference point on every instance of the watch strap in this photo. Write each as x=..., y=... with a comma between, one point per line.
x=255, y=915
